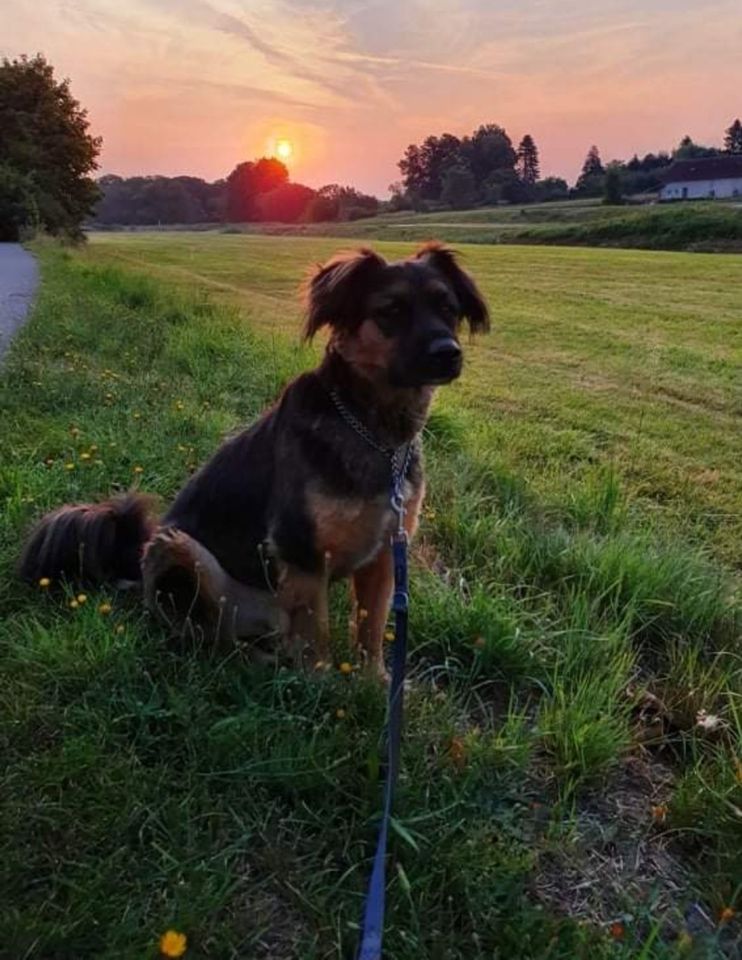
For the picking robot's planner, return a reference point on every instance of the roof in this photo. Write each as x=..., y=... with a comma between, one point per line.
x=726, y=167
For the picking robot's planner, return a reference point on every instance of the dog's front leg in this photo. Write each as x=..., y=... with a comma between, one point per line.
x=303, y=597
x=372, y=594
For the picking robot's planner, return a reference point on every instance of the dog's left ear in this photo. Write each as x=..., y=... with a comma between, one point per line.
x=473, y=306
x=334, y=293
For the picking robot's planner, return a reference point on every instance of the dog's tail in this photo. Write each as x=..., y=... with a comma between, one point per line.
x=91, y=543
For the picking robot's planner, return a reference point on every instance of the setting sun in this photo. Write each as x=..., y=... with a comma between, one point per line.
x=284, y=149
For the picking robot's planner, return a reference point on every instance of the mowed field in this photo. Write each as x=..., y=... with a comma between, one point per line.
x=571, y=781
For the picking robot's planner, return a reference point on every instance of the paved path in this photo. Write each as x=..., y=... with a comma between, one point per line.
x=19, y=278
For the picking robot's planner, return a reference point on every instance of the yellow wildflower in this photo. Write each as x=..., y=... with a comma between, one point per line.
x=82, y=598
x=179, y=405
x=105, y=609
x=173, y=944
x=120, y=628
x=45, y=583
x=69, y=466
x=84, y=456
x=138, y=469
x=389, y=636
x=345, y=668
x=340, y=714
x=74, y=604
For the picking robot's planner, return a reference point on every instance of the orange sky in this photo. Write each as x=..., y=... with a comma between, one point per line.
x=194, y=86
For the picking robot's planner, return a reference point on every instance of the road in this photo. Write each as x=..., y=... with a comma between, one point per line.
x=19, y=278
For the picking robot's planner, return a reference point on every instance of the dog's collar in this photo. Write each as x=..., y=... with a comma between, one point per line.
x=399, y=457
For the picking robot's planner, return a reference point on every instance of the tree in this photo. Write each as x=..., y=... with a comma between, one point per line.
x=590, y=181
x=688, y=150
x=247, y=181
x=488, y=151
x=593, y=165
x=612, y=193
x=459, y=188
x=733, y=138
x=286, y=203
x=551, y=188
x=47, y=152
x=527, y=164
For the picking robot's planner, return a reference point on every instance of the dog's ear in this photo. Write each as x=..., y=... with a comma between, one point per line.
x=473, y=306
x=334, y=291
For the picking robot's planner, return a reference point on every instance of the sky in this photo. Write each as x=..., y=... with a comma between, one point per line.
x=195, y=86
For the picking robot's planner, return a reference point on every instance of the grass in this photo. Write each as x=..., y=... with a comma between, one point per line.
x=575, y=604
x=695, y=226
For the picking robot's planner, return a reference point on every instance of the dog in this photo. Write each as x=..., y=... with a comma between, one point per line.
x=301, y=498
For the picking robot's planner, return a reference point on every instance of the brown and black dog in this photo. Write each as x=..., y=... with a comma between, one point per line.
x=302, y=497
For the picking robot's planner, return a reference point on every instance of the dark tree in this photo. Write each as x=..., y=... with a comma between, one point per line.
x=46, y=152
x=590, y=181
x=593, y=165
x=286, y=203
x=488, y=151
x=612, y=192
x=459, y=187
x=733, y=138
x=247, y=181
x=688, y=150
x=551, y=188
x=527, y=164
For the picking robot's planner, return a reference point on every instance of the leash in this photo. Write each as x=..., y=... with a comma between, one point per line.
x=372, y=928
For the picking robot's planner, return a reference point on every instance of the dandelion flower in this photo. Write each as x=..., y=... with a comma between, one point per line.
x=74, y=604
x=45, y=583
x=69, y=466
x=137, y=415
x=82, y=598
x=120, y=628
x=345, y=668
x=179, y=405
x=138, y=469
x=173, y=944
x=84, y=456
x=104, y=609
x=340, y=714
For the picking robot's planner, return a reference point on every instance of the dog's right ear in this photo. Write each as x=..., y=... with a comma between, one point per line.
x=334, y=292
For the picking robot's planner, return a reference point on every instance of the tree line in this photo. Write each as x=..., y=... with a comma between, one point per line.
x=486, y=168
x=255, y=191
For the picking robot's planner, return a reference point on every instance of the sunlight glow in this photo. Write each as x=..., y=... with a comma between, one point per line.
x=284, y=150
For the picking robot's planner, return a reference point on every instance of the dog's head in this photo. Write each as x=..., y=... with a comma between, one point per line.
x=396, y=321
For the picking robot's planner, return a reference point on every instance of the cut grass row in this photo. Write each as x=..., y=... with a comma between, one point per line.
x=146, y=787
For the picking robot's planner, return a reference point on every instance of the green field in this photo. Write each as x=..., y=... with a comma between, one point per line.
x=697, y=226
x=575, y=604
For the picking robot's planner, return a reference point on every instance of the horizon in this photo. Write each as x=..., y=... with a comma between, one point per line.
x=348, y=85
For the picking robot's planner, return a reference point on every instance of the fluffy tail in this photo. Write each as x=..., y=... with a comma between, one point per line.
x=92, y=543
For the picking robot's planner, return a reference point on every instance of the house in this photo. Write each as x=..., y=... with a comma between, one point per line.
x=703, y=179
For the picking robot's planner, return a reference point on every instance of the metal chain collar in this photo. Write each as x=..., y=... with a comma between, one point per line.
x=399, y=457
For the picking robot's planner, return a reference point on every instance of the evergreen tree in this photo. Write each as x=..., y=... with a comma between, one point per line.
x=593, y=165
x=528, y=165
x=612, y=194
x=733, y=138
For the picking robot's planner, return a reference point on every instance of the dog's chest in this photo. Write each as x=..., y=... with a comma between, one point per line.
x=349, y=531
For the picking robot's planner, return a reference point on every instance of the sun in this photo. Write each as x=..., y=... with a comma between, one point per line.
x=284, y=149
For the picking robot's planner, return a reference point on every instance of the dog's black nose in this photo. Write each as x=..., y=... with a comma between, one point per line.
x=444, y=350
